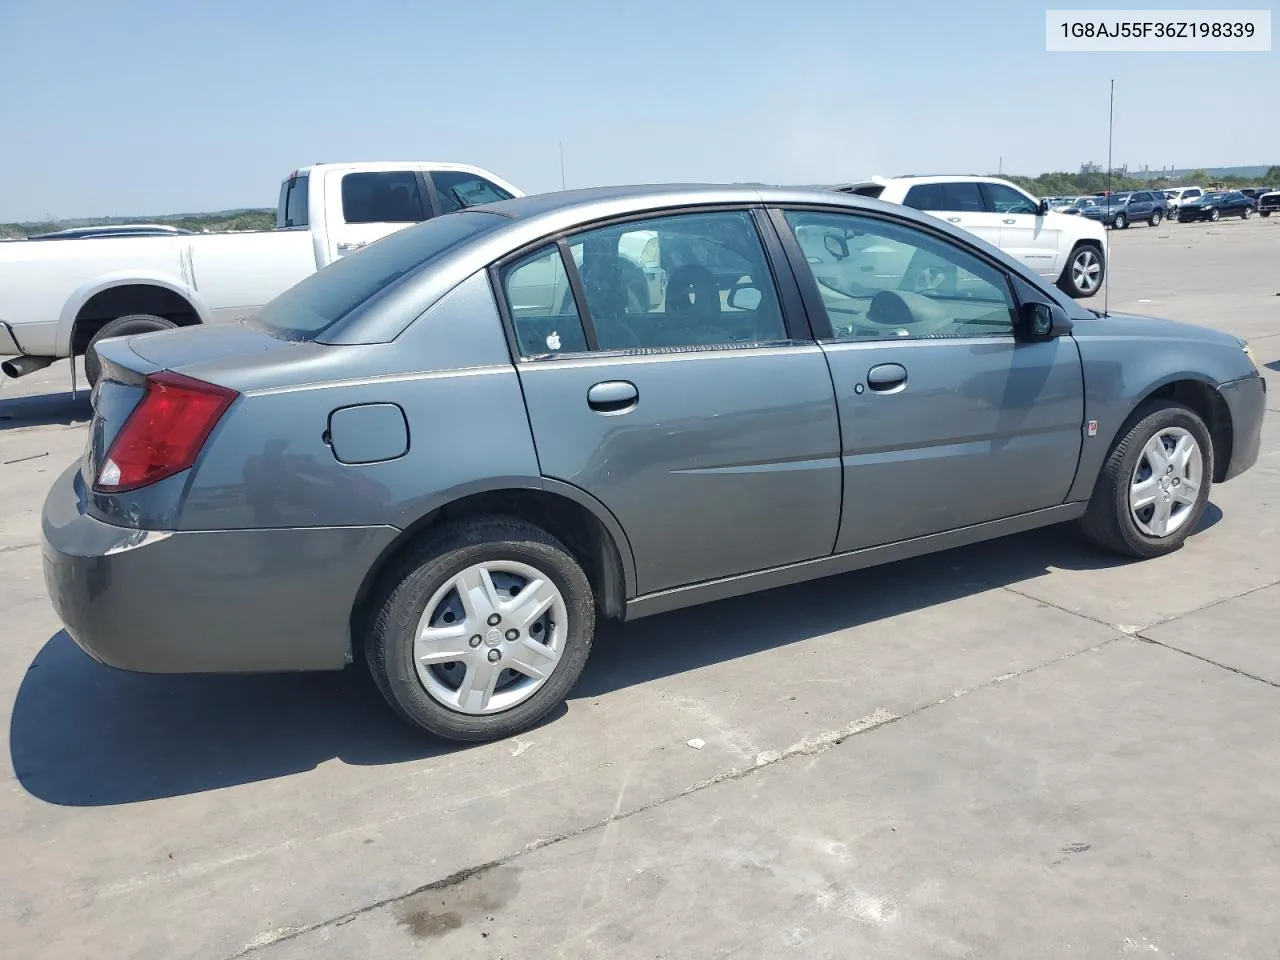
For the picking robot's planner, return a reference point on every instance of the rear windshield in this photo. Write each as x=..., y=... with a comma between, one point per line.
x=292, y=210
x=307, y=309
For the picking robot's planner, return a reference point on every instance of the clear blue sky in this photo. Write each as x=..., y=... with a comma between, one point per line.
x=158, y=106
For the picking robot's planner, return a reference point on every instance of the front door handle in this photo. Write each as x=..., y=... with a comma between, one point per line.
x=1010, y=220
x=953, y=219
x=887, y=377
x=613, y=396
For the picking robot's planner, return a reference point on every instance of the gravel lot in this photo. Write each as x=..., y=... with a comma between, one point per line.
x=1021, y=749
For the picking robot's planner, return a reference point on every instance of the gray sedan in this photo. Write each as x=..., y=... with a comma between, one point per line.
x=449, y=454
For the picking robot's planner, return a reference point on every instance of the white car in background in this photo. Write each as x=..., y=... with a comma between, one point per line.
x=60, y=297
x=1179, y=195
x=1071, y=251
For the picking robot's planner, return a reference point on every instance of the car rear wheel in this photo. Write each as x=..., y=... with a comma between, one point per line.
x=1248, y=212
x=119, y=327
x=1084, y=272
x=1156, y=217
x=484, y=629
x=1120, y=222
x=1154, y=485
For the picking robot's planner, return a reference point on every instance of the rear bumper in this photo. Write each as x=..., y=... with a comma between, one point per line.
x=220, y=601
x=1247, y=401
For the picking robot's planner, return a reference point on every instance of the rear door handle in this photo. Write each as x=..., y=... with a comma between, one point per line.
x=953, y=219
x=1010, y=220
x=887, y=377
x=613, y=396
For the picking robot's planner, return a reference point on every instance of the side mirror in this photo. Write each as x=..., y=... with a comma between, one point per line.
x=744, y=297
x=1042, y=321
x=836, y=245
x=1044, y=206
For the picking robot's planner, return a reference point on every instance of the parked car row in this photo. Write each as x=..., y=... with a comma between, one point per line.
x=1184, y=204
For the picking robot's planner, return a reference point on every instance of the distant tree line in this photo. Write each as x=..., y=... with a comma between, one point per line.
x=1082, y=184
x=1045, y=185
x=199, y=222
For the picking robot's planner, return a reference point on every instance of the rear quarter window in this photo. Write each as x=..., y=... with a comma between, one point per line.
x=310, y=307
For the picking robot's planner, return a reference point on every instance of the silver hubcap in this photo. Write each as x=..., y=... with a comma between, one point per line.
x=490, y=637
x=1086, y=268
x=1166, y=482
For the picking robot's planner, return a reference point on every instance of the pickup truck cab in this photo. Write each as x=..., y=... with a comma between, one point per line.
x=61, y=299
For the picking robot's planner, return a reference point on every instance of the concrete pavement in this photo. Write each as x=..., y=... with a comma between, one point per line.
x=1018, y=749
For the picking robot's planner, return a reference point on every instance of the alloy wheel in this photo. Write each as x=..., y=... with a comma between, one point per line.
x=1086, y=270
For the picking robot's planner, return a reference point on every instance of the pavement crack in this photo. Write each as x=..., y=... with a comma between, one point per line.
x=17, y=546
x=1204, y=659
x=1208, y=606
x=808, y=746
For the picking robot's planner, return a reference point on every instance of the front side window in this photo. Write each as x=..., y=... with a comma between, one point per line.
x=456, y=190
x=1005, y=199
x=543, y=311
x=391, y=196
x=697, y=279
x=881, y=280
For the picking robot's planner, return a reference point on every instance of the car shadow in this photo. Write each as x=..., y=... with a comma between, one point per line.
x=45, y=409
x=82, y=734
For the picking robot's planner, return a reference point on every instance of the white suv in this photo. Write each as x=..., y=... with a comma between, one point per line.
x=1069, y=250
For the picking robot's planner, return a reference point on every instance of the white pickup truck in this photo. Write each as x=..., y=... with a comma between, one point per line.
x=59, y=297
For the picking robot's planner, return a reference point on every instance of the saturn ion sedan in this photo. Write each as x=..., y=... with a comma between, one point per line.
x=450, y=454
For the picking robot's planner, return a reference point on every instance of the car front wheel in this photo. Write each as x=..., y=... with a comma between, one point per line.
x=484, y=629
x=1084, y=272
x=1154, y=485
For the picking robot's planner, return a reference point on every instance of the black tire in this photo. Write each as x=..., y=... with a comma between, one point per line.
x=409, y=587
x=1264, y=213
x=1215, y=215
x=1121, y=222
x=119, y=327
x=1156, y=217
x=1108, y=521
x=1066, y=280
x=1247, y=213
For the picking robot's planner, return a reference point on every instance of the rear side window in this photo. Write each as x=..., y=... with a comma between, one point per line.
x=384, y=197
x=310, y=307
x=543, y=310
x=963, y=196
x=292, y=211
x=456, y=190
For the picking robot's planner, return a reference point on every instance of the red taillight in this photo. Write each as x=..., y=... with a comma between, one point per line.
x=164, y=433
